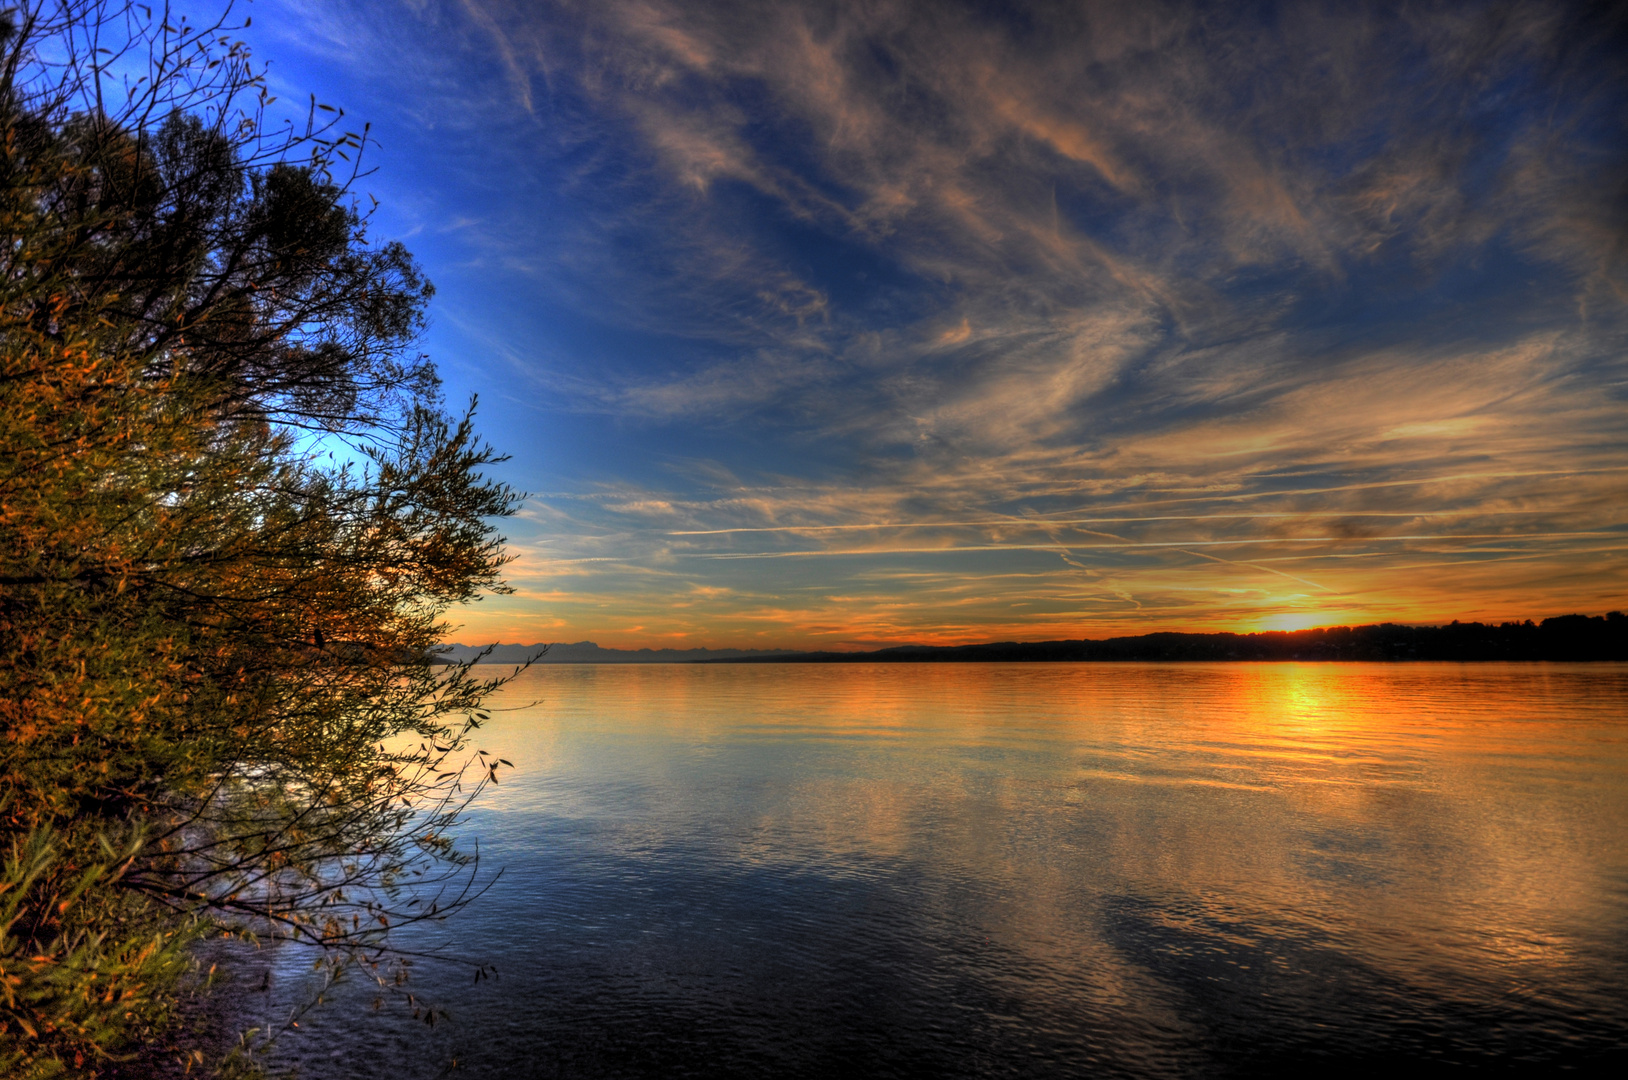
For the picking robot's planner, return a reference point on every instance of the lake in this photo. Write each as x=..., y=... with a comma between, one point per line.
x=966, y=870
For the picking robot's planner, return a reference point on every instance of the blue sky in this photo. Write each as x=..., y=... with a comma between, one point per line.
x=847, y=324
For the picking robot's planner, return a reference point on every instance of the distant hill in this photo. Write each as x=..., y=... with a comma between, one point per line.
x=1566, y=637
x=586, y=652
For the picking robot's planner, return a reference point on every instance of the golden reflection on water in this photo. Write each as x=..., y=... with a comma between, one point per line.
x=1134, y=869
x=1443, y=821
x=1064, y=869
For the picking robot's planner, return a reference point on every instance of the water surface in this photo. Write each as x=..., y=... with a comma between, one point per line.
x=1030, y=870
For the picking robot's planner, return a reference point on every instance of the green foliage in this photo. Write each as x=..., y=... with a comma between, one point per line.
x=84, y=966
x=232, y=519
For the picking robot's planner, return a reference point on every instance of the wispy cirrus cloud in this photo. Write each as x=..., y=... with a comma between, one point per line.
x=876, y=321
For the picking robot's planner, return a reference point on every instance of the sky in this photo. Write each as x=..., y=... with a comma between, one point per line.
x=841, y=325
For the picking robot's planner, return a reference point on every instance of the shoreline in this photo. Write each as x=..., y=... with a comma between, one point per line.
x=1565, y=639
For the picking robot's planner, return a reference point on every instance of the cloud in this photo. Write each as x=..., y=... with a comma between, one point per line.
x=519, y=75
x=1330, y=303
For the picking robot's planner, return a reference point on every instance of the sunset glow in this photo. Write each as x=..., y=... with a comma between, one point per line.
x=839, y=326
x=1298, y=620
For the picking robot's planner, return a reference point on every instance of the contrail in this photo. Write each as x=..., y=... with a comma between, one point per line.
x=1041, y=521
x=1175, y=544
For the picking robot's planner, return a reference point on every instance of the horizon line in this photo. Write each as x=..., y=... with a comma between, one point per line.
x=1115, y=637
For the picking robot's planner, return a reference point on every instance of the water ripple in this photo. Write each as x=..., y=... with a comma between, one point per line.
x=1030, y=870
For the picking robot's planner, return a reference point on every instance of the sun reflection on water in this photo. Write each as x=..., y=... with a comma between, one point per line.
x=1141, y=866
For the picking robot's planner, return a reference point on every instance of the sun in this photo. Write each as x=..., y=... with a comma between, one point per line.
x=1295, y=620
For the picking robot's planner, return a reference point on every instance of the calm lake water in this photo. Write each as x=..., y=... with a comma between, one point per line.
x=1029, y=870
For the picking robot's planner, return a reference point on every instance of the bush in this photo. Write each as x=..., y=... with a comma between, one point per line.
x=233, y=516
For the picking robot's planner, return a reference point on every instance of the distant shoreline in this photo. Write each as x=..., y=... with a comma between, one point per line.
x=1563, y=638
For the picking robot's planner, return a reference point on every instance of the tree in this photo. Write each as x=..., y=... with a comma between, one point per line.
x=233, y=517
